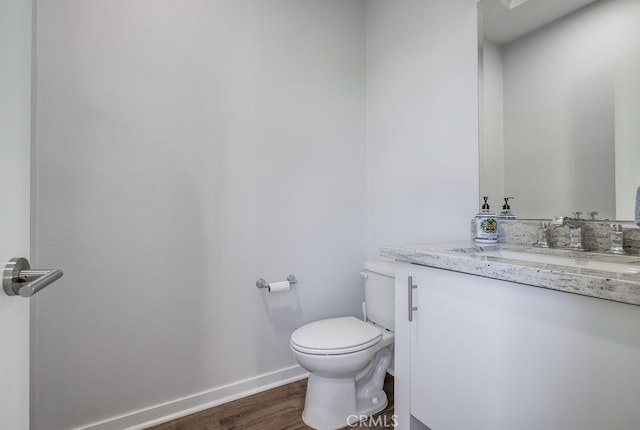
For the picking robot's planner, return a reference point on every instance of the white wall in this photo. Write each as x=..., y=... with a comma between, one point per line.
x=559, y=110
x=184, y=150
x=422, y=126
x=15, y=142
x=422, y=120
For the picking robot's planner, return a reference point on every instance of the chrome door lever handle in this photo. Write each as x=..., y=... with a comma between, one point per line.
x=19, y=280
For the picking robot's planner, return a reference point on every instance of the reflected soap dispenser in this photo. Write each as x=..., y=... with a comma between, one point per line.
x=486, y=224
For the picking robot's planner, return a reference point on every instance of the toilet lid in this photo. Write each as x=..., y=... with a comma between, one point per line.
x=335, y=336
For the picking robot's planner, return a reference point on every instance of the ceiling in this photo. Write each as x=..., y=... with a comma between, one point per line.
x=501, y=25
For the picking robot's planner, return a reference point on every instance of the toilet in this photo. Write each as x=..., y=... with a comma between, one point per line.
x=348, y=358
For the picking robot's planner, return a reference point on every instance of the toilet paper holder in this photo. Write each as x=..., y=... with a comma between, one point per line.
x=261, y=283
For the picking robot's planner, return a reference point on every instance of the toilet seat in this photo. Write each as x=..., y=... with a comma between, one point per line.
x=335, y=336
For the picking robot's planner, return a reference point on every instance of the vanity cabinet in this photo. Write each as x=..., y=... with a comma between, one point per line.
x=486, y=354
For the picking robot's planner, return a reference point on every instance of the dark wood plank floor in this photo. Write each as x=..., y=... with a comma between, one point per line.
x=276, y=409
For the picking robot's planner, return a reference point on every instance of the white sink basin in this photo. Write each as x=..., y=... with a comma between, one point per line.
x=584, y=262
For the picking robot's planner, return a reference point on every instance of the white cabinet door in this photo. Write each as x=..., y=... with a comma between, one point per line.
x=15, y=126
x=493, y=355
x=455, y=353
x=402, y=348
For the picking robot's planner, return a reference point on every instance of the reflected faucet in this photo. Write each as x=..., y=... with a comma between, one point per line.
x=543, y=236
x=576, y=232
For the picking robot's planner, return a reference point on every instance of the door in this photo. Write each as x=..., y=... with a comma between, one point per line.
x=15, y=136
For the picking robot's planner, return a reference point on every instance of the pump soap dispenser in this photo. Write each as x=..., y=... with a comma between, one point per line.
x=506, y=210
x=486, y=224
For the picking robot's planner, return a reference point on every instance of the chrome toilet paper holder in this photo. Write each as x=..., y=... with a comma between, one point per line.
x=261, y=283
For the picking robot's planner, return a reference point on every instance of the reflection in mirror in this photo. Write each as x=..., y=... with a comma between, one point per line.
x=560, y=101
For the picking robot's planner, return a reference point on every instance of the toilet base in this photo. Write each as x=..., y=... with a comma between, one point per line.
x=372, y=405
x=340, y=408
x=333, y=403
x=330, y=403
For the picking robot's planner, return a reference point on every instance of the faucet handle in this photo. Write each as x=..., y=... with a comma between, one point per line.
x=577, y=214
x=593, y=215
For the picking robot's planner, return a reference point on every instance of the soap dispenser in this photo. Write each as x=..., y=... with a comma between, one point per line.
x=506, y=210
x=486, y=224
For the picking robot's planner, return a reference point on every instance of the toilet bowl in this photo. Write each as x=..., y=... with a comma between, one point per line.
x=348, y=358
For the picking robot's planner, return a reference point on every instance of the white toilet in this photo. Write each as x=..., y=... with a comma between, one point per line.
x=347, y=358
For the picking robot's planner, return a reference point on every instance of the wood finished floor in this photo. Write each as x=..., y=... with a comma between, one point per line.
x=276, y=409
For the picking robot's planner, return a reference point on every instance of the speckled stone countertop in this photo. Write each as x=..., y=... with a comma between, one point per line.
x=470, y=257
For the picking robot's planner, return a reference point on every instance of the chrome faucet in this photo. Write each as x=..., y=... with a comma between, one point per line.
x=543, y=236
x=576, y=232
x=617, y=240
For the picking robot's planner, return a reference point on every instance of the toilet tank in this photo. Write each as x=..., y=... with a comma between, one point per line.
x=379, y=285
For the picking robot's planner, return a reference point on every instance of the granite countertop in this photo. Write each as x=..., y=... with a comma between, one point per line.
x=577, y=278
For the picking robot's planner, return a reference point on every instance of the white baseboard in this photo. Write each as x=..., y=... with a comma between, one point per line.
x=164, y=412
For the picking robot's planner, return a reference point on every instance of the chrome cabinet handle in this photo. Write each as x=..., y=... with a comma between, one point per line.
x=410, y=288
x=19, y=280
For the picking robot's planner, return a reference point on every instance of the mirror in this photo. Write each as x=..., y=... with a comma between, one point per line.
x=559, y=105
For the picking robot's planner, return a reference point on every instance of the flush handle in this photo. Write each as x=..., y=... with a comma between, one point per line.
x=410, y=288
x=19, y=280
